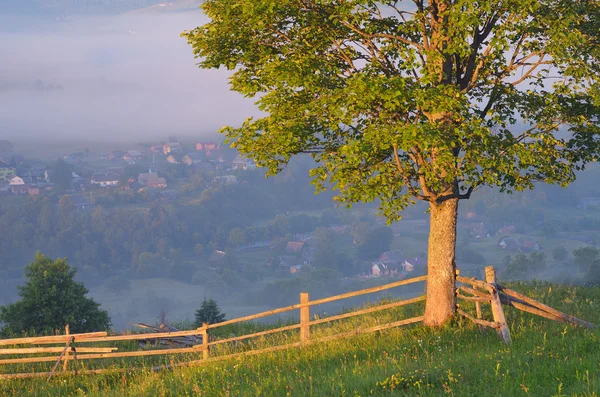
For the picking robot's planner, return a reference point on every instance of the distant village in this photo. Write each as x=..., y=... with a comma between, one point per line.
x=112, y=171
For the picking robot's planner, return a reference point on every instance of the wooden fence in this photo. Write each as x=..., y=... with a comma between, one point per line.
x=496, y=295
x=469, y=290
x=202, y=334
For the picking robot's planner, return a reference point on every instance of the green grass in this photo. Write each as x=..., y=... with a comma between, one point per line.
x=545, y=359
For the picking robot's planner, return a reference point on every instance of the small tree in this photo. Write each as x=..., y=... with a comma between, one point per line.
x=51, y=299
x=209, y=313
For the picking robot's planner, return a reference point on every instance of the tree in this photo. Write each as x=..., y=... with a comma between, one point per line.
x=377, y=240
x=237, y=237
x=51, y=299
x=586, y=258
x=430, y=100
x=209, y=312
x=6, y=146
x=199, y=249
x=325, y=253
x=62, y=175
x=560, y=255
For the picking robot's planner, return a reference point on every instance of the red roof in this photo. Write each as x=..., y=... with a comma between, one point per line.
x=294, y=246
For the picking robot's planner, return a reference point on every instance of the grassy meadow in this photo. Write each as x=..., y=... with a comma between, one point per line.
x=545, y=359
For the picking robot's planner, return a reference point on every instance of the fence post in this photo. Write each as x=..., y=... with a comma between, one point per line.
x=66, y=363
x=304, y=318
x=204, y=334
x=490, y=277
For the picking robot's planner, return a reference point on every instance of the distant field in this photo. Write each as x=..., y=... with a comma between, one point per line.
x=147, y=297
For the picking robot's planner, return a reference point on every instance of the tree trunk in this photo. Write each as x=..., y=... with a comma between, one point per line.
x=441, y=296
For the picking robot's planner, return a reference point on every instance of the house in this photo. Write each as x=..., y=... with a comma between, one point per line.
x=206, y=147
x=295, y=269
x=418, y=264
x=529, y=245
x=33, y=191
x=216, y=258
x=115, y=170
x=509, y=244
x=379, y=269
x=78, y=201
x=116, y=155
x=507, y=230
x=36, y=174
x=173, y=159
x=391, y=256
x=105, y=179
x=192, y=158
x=243, y=163
x=172, y=147
x=226, y=179
x=479, y=231
x=155, y=149
x=296, y=247
x=131, y=156
x=20, y=190
x=152, y=179
x=16, y=180
x=6, y=172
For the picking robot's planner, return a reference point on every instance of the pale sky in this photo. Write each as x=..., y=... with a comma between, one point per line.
x=122, y=77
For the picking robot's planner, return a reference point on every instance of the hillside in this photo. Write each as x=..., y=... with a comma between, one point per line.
x=545, y=359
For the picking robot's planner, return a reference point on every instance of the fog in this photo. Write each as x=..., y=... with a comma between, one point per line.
x=121, y=77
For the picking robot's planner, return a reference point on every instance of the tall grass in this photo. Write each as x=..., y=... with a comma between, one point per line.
x=545, y=359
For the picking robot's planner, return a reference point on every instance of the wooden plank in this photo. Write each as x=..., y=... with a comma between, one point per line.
x=139, y=353
x=476, y=299
x=530, y=309
x=61, y=357
x=205, y=351
x=368, y=310
x=475, y=283
x=478, y=321
x=304, y=317
x=34, y=340
x=539, y=305
x=262, y=333
x=498, y=313
x=320, y=301
x=37, y=350
x=115, y=338
x=377, y=328
x=66, y=362
x=368, y=290
x=474, y=292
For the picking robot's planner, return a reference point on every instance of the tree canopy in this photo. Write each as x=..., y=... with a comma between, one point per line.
x=426, y=99
x=51, y=299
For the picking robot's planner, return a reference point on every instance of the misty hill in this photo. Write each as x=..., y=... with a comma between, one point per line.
x=79, y=7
